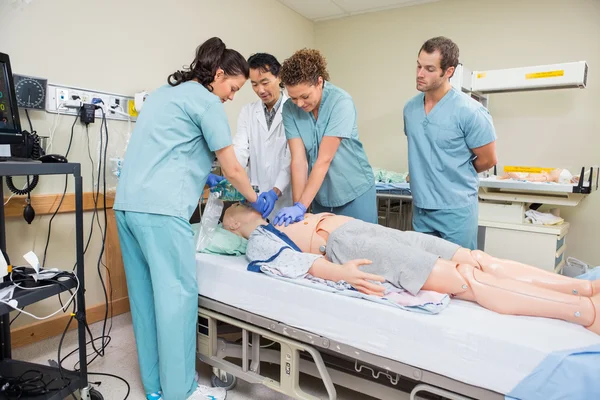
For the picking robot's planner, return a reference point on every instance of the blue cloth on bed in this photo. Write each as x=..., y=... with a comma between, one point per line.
x=393, y=188
x=570, y=374
x=592, y=275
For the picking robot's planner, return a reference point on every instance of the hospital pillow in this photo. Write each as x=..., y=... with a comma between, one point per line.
x=223, y=242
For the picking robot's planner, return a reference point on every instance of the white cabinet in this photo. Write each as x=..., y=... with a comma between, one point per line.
x=537, y=245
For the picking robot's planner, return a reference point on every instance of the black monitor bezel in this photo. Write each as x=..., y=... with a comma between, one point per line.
x=9, y=136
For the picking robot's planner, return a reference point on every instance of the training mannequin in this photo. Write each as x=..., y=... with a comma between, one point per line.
x=544, y=176
x=361, y=253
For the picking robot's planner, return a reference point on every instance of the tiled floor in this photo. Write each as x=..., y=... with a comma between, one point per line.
x=121, y=359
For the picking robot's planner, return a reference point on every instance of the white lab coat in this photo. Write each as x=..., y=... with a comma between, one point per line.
x=265, y=151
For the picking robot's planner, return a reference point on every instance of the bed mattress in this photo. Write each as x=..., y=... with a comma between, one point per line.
x=464, y=342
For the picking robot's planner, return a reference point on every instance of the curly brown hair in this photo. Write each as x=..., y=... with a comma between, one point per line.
x=304, y=66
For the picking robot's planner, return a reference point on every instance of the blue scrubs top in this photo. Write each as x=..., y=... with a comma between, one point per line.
x=440, y=159
x=350, y=175
x=171, y=151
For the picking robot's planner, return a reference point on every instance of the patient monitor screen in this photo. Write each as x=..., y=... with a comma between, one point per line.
x=6, y=112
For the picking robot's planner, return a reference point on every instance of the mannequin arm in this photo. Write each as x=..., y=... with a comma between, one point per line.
x=350, y=273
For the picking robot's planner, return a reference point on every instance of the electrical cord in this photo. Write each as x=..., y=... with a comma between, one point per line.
x=28, y=386
x=42, y=285
x=105, y=337
x=63, y=195
x=60, y=368
x=36, y=385
x=36, y=151
x=104, y=334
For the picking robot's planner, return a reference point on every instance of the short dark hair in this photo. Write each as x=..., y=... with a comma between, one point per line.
x=265, y=62
x=448, y=50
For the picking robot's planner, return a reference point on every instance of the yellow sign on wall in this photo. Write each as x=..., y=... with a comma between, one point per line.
x=546, y=74
x=529, y=170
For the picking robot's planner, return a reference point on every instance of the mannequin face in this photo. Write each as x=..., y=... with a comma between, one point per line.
x=239, y=215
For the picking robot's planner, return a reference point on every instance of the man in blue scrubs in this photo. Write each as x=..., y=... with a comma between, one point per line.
x=451, y=138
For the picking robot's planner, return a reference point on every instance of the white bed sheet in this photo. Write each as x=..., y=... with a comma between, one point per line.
x=465, y=341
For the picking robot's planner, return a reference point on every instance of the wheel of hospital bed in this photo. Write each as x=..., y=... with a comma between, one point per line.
x=228, y=383
x=95, y=395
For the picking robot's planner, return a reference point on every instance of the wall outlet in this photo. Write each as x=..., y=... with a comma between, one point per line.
x=58, y=95
x=62, y=95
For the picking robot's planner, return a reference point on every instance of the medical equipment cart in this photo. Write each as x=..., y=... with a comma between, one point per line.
x=9, y=368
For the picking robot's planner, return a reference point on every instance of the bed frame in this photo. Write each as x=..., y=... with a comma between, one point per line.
x=394, y=210
x=296, y=351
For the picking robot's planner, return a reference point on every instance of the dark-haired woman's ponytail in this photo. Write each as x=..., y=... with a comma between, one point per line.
x=178, y=77
x=204, y=67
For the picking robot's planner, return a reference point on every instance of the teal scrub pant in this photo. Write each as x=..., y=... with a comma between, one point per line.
x=160, y=266
x=459, y=225
x=364, y=207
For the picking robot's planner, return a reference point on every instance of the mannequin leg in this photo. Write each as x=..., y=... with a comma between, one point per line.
x=507, y=296
x=508, y=269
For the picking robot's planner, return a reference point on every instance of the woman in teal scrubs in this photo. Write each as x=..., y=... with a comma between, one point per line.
x=169, y=157
x=330, y=169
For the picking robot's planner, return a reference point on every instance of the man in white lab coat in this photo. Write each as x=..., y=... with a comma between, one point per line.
x=260, y=142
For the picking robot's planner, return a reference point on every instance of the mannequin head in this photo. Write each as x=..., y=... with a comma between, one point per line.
x=242, y=220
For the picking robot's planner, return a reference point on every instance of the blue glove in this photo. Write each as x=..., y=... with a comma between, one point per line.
x=270, y=198
x=258, y=205
x=213, y=180
x=289, y=215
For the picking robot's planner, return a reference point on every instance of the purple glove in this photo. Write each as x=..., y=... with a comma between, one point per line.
x=213, y=180
x=270, y=198
x=289, y=215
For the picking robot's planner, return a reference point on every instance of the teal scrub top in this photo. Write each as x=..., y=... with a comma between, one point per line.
x=350, y=175
x=440, y=159
x=171, y=151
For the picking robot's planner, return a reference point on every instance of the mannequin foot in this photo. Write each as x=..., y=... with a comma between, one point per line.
x=595, y=326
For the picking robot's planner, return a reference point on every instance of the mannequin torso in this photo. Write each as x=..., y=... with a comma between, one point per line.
x=312, y=233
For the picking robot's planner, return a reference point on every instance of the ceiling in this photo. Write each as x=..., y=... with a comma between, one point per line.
x=319, y=10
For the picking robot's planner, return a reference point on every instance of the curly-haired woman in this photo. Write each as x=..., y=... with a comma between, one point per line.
x=329, y=167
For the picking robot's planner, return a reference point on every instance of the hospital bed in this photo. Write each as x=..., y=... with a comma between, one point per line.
x=465, y=352
x=394, y=205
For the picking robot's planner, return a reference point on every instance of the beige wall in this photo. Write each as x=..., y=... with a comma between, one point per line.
x=122, y=47
x=373, y=57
